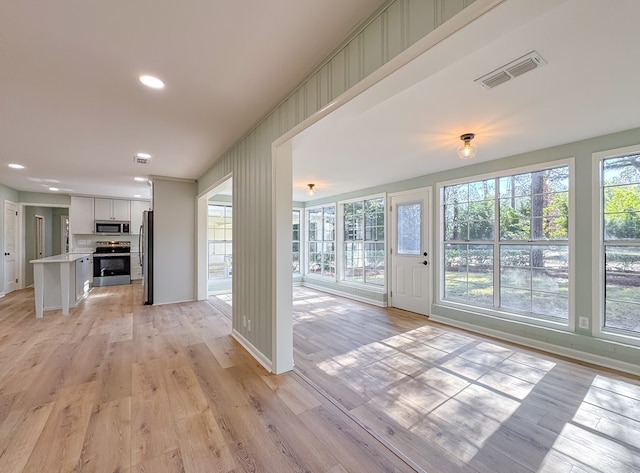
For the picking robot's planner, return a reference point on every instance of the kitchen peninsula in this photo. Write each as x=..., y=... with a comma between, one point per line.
x=60, y=281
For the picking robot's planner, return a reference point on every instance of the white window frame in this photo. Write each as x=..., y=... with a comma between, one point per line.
x=340, y=241
x=598, y=267
x=301, y=241
x=306, y=241
x=570, y=323
x=225, y=205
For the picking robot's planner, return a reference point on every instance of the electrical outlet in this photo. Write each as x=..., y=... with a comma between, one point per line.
x=583, y=322
x=249, y=327
x=244, y=321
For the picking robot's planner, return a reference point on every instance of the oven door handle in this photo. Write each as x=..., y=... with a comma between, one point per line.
x=110, y=255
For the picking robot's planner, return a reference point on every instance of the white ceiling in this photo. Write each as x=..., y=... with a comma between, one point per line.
x=409, y=124
x=73, y=112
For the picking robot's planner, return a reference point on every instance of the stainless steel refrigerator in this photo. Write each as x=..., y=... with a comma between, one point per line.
x=145, y=247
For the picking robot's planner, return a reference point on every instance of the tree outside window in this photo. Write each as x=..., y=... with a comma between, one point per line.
x=364, y=258
x=621, y=242
x=321, y=241
x=506, y=243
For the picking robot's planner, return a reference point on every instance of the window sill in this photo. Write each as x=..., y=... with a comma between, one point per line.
x=564, y=326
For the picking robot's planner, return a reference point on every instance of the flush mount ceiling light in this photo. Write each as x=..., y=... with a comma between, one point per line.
x=140, y=179
x=54, y=189
x=151, y=82
x=16, y=166
x=311, y=189
x=467, y=150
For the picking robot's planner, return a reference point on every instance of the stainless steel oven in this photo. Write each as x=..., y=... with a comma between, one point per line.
x=112, y=263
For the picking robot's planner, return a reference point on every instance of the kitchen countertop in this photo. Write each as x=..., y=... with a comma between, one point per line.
x=69, y=257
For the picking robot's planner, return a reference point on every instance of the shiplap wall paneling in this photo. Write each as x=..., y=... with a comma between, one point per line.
x=397, y=27
x=338, y=74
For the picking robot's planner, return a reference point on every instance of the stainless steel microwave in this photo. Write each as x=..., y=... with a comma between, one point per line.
x=112, y=227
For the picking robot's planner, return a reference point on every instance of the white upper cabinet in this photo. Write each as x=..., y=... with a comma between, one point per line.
x=137, y=207
x=81, y=215
x=112, y=209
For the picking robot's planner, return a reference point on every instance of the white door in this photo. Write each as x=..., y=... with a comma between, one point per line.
x=410, y=253
x=10, y=231
x=40, y=237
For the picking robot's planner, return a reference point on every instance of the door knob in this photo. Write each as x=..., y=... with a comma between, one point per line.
x=425, y=254
x=425, y=262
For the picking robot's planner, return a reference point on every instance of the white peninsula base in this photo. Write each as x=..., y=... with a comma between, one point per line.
x=60, y=281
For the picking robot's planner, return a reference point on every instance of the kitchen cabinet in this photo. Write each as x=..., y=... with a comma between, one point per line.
x=136, y=269
x=137, y=207
x=82, y=276
x=81, y=215
x=112, y=209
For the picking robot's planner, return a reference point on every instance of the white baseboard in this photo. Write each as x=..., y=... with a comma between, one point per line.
x=260, y=358
x=346, y=295
x=544, y=346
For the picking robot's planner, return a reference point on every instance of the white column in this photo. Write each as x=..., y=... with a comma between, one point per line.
x=282, y=291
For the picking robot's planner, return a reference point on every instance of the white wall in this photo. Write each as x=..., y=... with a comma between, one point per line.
x=174, y=214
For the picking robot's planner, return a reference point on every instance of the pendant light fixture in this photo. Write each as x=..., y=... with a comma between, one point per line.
x=467, y=150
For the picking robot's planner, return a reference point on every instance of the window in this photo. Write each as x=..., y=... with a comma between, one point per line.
x=506, y=243
x=219, y=236
x=620, y=240
x=296, y=240
x=321, y=249
x=364, y=255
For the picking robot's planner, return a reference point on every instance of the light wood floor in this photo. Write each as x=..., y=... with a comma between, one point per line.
x=451, y=401
x=120, y=387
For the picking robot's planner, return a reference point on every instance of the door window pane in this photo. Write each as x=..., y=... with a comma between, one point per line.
x=409, y=217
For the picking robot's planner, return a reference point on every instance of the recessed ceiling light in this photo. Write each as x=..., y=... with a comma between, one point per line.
x=16, y=166
x=140, y=179
x=54, y=189
x=152, y=82
x=144, y=155
x=137, y=195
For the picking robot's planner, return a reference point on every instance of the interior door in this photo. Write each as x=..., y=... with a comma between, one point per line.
x=10, y=229
x=410, y=254
x=40, y=237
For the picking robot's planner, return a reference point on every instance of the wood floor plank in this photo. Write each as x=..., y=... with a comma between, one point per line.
x=60, y=443
x=170, y=462
x=19, y=435
x=153, y=431
x=116, y=372
x=202, y=445
x=107, y=445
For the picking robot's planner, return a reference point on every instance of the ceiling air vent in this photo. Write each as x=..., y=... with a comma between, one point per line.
x=516, y=68
x=141, y=160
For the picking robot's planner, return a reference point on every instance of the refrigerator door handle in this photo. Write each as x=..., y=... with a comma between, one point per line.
x=140, y=248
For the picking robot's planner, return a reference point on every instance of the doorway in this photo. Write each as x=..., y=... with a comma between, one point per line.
x=10, y=246
x=410, y=278
x=215, y=241
x=41, y=233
